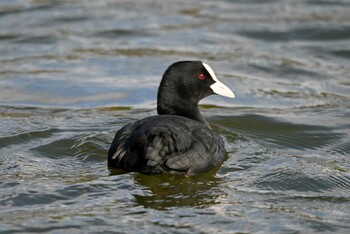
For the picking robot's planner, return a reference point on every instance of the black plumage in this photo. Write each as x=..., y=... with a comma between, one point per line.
x=178, y=139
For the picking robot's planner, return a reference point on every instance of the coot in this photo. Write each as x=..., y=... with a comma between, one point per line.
x=178, y=139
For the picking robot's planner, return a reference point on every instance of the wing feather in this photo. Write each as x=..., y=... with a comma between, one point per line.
x=166, y=143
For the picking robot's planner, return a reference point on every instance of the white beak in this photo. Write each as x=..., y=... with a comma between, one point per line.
x=221, y=89
x=218, y=87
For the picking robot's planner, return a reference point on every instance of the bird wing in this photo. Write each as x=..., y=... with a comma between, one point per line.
x=166, y=143
x=206, y=152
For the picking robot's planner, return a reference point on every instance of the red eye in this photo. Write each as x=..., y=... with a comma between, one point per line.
x=201, y=77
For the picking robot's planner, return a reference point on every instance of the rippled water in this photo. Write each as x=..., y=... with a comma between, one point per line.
x=73, y=72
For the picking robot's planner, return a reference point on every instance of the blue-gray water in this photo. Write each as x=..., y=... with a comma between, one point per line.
x=73, y=72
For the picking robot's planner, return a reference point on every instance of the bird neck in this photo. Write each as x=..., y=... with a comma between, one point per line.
x=189, y=110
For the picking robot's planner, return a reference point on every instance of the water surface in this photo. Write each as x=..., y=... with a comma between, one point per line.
x=73, y=72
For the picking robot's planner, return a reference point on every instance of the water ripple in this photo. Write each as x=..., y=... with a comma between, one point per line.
x=305, y=34
x=282, y=134
x=291, y=180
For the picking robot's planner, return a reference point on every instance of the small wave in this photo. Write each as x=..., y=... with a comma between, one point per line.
x=341, y=53
x=274, y=133
x=42, y=39
x=27, y=136
x=117, y=33
x=302, y=33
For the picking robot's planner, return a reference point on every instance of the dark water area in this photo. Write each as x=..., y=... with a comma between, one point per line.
x=73, y=72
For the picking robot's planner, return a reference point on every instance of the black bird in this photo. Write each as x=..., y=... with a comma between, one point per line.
x=178, y=139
